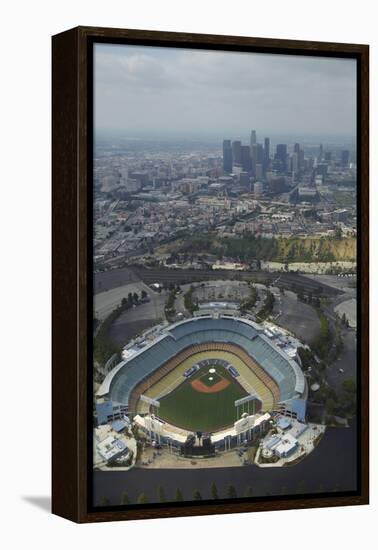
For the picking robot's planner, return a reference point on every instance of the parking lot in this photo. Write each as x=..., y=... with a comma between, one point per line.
x=297, y=317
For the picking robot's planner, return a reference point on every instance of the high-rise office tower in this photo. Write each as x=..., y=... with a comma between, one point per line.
x=281, y=156
x=124, y=173
x=246, y=160
x=300, y=154
x=236, y=152
x=295, y=162
x=259, y=153
x=266, y=161
x=266, y=152
x=320, y=156
x=253, y=152
x=259, y=172
x=244, y=179
x=257, y=156
x=253, y=138
x=227, y=156
x=301, y=159
x=345, y=157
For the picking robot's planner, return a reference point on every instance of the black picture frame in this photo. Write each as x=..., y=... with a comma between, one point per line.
x=72, y=291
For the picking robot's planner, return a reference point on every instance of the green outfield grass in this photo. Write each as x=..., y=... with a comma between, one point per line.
x=206, y=412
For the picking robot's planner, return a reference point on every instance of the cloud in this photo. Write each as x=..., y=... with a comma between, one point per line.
x=182, y=90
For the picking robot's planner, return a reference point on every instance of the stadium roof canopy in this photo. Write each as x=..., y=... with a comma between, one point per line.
x=175, y=338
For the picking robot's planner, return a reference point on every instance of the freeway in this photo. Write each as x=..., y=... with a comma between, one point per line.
x=119, y=277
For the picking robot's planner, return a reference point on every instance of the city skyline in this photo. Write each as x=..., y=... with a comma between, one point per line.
x=166, y=91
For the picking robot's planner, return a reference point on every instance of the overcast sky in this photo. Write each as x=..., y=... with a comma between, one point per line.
x=167, y=90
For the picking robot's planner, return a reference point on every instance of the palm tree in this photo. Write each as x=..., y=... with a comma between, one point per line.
x=178, y=495
x=214, y=491
x=161, y=493
x=142, y=499
x=125, y=498
x=231, y=492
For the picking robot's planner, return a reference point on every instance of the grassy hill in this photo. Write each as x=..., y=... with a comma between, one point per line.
x=248, y=248
x=316, y=249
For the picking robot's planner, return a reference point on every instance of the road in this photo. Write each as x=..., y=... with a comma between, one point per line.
x=347, y=361
x=106, y=280
x=183, y=276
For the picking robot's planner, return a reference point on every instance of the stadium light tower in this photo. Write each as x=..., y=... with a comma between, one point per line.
x=241, y=402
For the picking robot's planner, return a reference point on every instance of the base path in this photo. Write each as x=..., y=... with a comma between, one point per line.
x=199, y=386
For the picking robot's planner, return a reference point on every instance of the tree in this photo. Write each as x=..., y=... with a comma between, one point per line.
x=330, y=405
x=349, y=386
x=248, y=492
x=197, y=495
x=338, y=233
x=135, y=298
x=142, y=499
x=214, y=491
x=143, y=294
x=124, y=302
x=344, y=320
x=161, y=494
x=105, y=501
x=178, y=495
x=231, y=492
x=189, y=304
x=267, y=307
x=125, y=498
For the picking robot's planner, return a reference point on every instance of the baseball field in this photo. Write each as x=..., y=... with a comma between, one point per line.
x=204, y=402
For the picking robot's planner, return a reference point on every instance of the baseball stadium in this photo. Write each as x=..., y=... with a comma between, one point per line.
x=216, y=377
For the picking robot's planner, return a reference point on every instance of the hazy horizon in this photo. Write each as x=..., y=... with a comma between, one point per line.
x=105, y=134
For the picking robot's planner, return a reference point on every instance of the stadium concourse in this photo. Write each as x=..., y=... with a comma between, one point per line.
x=211, y=380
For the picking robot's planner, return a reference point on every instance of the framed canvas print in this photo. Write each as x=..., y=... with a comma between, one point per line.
x=210, y=274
